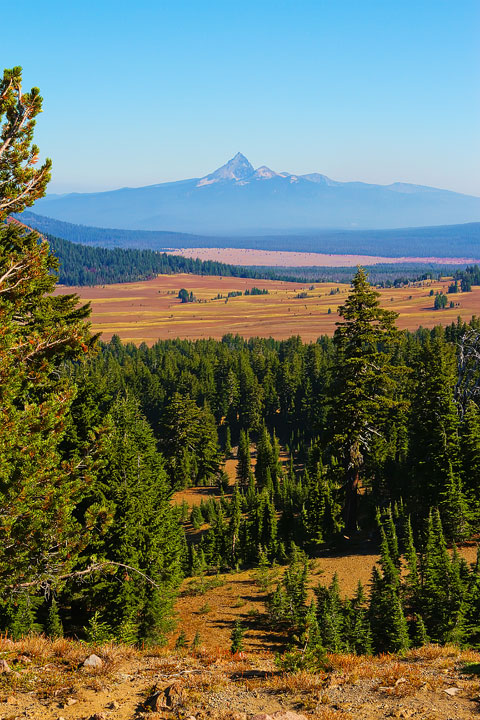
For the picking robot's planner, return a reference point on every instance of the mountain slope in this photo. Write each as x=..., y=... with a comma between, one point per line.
x=238, y=199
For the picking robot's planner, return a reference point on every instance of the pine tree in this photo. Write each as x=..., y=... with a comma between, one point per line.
x=228, y=444
x=20, y=182
x=197, y=641
x=142, y=533
x=22, y=617
x=386, y=614
x=53, y=626
x=435, y=604
x=472, y=600
x=234, y=529
x=243, y=460
x=454, y=507
x=236, y=638
x=264, y=458
x=181, y=641
x=39, y=535
x=470, y=449
x=364, y=379
x=189, y=442
x=434, y=456
x=360, y=640
x=420, y=637
x=330, y=616
x=411, y=589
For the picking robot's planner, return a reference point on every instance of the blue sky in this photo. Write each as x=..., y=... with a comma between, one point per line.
x=142, y=92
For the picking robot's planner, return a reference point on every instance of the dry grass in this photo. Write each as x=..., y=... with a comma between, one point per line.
x=149, y=310
x=328, y=713
x=288, y=258
x=219, y=686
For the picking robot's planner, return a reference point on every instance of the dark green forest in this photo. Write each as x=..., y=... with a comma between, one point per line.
x=88, y=265
x=381, y=431
x=90, y=259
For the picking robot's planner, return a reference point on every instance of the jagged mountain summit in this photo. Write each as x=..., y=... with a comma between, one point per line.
x=237, y=198
x=237, y=169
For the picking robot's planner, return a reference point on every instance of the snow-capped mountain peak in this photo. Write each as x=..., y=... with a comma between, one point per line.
x=238, y=168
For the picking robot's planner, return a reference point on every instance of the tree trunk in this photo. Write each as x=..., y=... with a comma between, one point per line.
x=351, y=501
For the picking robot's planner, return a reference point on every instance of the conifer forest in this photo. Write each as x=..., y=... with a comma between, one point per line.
x=370, y=435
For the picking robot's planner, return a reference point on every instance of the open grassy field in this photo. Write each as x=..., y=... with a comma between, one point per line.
x=150, y=310
x=288, y=258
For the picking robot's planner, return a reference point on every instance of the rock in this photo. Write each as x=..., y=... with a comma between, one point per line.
x=452, y=691
x=4, y=667
x=156, y=702
x=114, y=705
x=93, y=661
x=174, y=694
x=68, y=703
x=287, y=715
x=261, y=716
x=98, y=716
x=166, y=699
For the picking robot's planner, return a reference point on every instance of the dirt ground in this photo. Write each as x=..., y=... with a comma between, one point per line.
x=47, y=681
x=150, y=310
x=280, y=258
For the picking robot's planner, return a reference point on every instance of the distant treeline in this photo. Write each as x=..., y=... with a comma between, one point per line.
x=382, y=274
x=84, y=261
x=441, y=241
x=90, y=265
x=86, y=265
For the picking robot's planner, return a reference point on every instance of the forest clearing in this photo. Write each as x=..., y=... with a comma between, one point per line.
x=150, y=310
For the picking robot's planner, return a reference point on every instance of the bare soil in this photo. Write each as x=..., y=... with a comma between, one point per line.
x=49, y=683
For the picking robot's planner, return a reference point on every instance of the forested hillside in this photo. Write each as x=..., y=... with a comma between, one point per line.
x=395, y=455
x=380, y=428
x=88, y=265
x=83, y=264
x=441, y=241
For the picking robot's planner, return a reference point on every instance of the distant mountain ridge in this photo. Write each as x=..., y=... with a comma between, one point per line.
x=461, y=241
x=238, y=199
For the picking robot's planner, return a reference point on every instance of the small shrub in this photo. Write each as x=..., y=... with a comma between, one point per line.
x=97, y=631
x=127, y=633
x=236, y=638
x=206, y=608
x=53, y=626
x=309, y=659
x=196, y=641
x=181, y=641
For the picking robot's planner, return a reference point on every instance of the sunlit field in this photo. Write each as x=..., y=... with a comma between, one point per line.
x=150, y=310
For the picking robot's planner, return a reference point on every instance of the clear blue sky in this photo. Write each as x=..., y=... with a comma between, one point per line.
x=147, y=91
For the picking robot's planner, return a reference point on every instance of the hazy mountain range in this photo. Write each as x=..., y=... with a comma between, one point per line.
x=236, y=198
